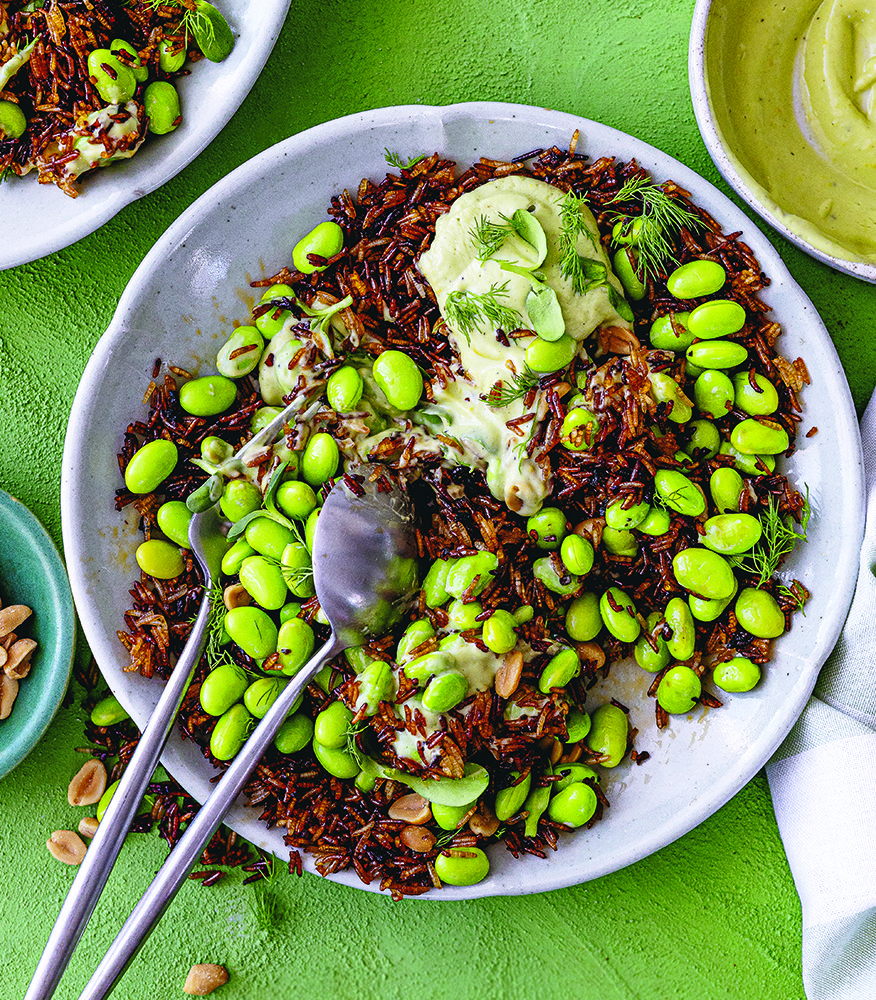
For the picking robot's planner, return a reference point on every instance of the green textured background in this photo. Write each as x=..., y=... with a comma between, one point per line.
x=713, y=915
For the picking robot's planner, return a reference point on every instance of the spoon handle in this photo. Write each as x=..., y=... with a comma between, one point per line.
x=183, y=857
x=104, y=848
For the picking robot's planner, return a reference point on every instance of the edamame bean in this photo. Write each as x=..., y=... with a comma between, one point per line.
x=665, y=389
x=150, y=465
x=713, y=354
x=619, y=543
x=498, y=634
x=171, y=55
x=230, y=733
x=670, y=333
x=223, y=687
x=270, y=322
x=338, y=761
x=525, y=613
x=324, y=240
x=159, y=559
x=577, y=725
x=319, y=463
x=241, y=497
x=709, y=609
x=431, y=664
x=625, y=266
x=577, y=554
x=704, y=439
x=445, y=691
x=559, y=670
x=462, y=866
x=294, y=645
x=470, y=574
x=413, y=636
x=261, y=694
x=310, y=528
x=547, y=527
x=253, y=630
x=573, y=806
x=608, y=734
x=759, y=437
x=114, y=81
x=544, y=356
x=207, y=396
x=619, y=615
x=108, y=711
x=233, y=558
x=696, y=278
x=678, y=492
x=127, y=54
x=399, y=378
x=736, y=675
x=344, y=389
x=648, y=658
x=450, y=817
x=146, y=803
x=726, y=486
x=13, y=122
x=434, y=581
x=655, y=522
x=464, y=616
x=375, y=685
x=731, y=534
x=357, y=658
x=174, y=519
x=583, y=619
x=294, y=734
x=678, y=690
x=579, y=429
x=678, y=617
x=713, y=394
x=332, y=724
x=161, y=103
x=240, y=354
x=546, y=573
x=623, y=516
x=263, y=581
x=571, y=774
x=262, y=417
x=756, y=402
x=296, y=499
x=268, y=537
x=754, y=465
x=703, y=572
x=718, y=318
x=289, y=611
x=758, y=612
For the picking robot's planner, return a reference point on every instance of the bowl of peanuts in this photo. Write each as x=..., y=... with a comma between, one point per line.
x=37, y=631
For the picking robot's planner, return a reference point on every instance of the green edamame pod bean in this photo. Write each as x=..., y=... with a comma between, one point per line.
x=114, y=81
x=713, y=394
x=462, y=866
x=619, y=543
x=150, y=466
x=679, y=618
x=573, y=773
x=159, y=559
x=577, y=554
x=324, y=240
x=336, y=760
x=240, y=354
x=470, y=574
x=130, y=57
x=146, y=803
x=709, y=609
x=678, y=492
x=648, y=658
x=271, y=322
x=559, y=670
x=583, y=620
x=434, y=582
x=577, y=725
x=108, y=711
x=234, y=557
x=731, y=534
x=344, y=389
x=375, y=685
x=759, y=437
x=756, y=402
x=445, y=691
x=319, y=463
x=718, y=318
x=296, y=569
x=670, y=333
x=332, y=724
x=174, y=519
x=13, y=122
x=525, y=613
x=223, y=687
x=547, y=527
x=546, y=572
x=574, y=806
x=289, y=611
x=230, y=732
x=703, y=572
x=758, y=612
x=294, y=734
x=263, y=581
x=720, y=354
x=464, y=616
x=535, y=805
x=207, y=396
x=608, y=734
x=509, y=801
x=241, y=497
x=754, y=465
x=171, y=55
x=400, y=379
x=704, y=439
x=625, y=517
x=655, y=522
x=696, y=278
x=726, y=486
x=414, y=635
x=268, y=537
x=736, y=675
x=619, y=615
x=544, y=356
x=294, y=645
x=665, y=389
x=161, y=103
x=499, y=633
x=579, y=429
x=261, y=694
x=678, y=690
x=253, y=630
x=357, y=658
x=450, y=817
x=625, y=266
x=296, y=499
x=262, y=417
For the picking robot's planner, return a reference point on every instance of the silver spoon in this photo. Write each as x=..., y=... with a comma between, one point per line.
x=365, y=572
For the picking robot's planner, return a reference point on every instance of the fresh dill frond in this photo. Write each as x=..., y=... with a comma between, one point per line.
x=572, y=226
x=777, y=541
x=192, y=20
x=504, y=393
x=215, y=649
x=650, y=233
x=464, y=310
x=798, y=594
x=488, y=237
x=394, y=160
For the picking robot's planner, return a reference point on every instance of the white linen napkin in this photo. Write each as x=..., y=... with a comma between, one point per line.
x=823, y=785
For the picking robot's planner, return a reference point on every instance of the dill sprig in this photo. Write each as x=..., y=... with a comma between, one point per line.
x=504, y=393
x=650, y=232
x=777, y=541
x=572, y=226
x=215, y=650
x=488, y=237
x=464, y=310
x=193, y=20
x=394, y=160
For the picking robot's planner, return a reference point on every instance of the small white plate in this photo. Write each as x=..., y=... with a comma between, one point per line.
x=39, y=219
x=180, y=304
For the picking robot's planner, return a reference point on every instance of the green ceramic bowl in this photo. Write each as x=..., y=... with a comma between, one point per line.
x=32, y=573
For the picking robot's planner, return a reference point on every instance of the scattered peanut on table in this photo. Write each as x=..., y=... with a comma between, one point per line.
x=15, y=654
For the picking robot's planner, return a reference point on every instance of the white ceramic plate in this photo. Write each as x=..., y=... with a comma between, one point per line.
x=39, y=218
x=194, y=283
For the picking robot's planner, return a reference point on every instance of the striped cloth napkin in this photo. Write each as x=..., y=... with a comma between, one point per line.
x=823, y=785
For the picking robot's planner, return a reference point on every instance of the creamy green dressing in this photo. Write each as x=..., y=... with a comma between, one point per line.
x=91, y=152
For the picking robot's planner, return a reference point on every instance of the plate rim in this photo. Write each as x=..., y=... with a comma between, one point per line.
x=720, y=791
